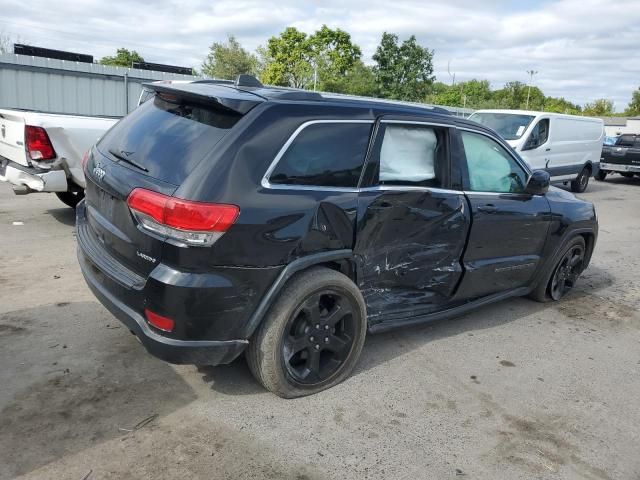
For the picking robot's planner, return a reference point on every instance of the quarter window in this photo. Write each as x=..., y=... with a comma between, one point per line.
x=412, y=155
x=324, y=154
x=491, y=168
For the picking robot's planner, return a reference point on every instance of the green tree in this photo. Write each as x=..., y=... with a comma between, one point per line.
x=403, y=71
x=633, y=109
x=560, y=105
x=470, y=94
x=298, y=60
x=228, y=60
x=333, y=55
x=287, y=59
x=358, y=80
x=599, y=108
x=122, y=58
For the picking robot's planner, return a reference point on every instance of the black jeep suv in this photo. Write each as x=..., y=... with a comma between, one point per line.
x=222, y=219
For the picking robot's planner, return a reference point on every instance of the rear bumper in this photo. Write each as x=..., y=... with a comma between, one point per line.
x=619, y=167
x=211, y=309
x=34, y=179
x=197, y=352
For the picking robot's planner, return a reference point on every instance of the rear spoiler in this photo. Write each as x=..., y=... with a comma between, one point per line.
x=220, y=95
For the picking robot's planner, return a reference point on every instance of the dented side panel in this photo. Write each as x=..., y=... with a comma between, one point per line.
x=408, y=250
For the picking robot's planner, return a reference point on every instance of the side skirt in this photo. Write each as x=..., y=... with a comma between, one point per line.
x=449, y=313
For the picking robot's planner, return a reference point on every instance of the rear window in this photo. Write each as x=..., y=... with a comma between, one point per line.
x=324, y=154
x=167, y=140
x=626, y=140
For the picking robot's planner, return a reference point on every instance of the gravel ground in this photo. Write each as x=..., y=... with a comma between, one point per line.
x=513, y=390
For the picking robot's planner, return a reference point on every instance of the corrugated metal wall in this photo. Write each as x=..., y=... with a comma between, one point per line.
x=59, y=86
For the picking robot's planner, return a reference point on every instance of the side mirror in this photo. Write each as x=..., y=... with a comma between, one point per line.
x=538, y=183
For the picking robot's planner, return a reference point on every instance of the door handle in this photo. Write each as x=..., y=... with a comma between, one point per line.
x=489, y=208
x=547, y=150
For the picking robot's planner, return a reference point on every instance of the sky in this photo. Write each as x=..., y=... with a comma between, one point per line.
x=581, y=49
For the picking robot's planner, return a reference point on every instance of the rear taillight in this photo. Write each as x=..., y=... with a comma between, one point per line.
x=39, y=145
x=184, y=221
x=161, y=323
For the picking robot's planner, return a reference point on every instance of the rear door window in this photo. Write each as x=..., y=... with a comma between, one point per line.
x=413, y=155
x=167, y=139
x=324, y=154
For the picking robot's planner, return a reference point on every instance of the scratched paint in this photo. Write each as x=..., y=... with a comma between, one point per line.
x=408, y=250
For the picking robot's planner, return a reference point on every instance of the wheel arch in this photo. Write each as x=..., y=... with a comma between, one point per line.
x=339, y=260
x=589, y=164
x=590, y=244
x=588, y=234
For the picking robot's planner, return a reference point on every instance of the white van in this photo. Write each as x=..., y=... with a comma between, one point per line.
x=566, y=146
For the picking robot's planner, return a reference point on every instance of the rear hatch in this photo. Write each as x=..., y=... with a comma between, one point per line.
x=154, y=148
x=12, y=137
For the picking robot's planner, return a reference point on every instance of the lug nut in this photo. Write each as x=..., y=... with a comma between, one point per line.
x=312, y=339
x=326, y=327
x=326, y=339
x=317, y=326
x=317, y=347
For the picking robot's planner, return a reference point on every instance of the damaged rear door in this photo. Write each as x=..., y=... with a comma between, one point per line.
x=413, y=220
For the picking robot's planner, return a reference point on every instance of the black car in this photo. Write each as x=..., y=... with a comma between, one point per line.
x=623, y=157
x=222, y=219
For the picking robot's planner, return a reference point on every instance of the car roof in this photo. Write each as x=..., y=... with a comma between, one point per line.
x=242, y=98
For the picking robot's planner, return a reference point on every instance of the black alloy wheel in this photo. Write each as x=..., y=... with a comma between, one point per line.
x=319, y=337
x=312, y=336
x=567, y=272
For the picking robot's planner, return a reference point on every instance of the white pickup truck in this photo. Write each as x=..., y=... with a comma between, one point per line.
x=42, y=152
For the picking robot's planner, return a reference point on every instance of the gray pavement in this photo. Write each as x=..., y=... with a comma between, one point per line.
x=514, y=390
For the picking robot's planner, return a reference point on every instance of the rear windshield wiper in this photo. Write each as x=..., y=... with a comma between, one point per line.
x=126, y=160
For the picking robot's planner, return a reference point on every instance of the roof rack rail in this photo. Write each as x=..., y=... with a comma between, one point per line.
x=243, y=80
x=215, y=81
x=359, y=98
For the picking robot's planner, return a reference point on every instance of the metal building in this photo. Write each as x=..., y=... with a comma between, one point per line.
x=62, y=86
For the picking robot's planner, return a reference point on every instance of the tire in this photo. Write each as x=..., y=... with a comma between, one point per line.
x=545, y=291
x=282, y=352
x=601, y=175
x=71, y=198
x=580, y=183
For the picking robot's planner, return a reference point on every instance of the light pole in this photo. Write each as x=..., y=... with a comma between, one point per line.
x=531, y=74
x=315, y=76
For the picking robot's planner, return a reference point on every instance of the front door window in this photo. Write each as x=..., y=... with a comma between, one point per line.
x=491, y=168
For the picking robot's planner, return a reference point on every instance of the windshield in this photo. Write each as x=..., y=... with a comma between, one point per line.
x=510, y=126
